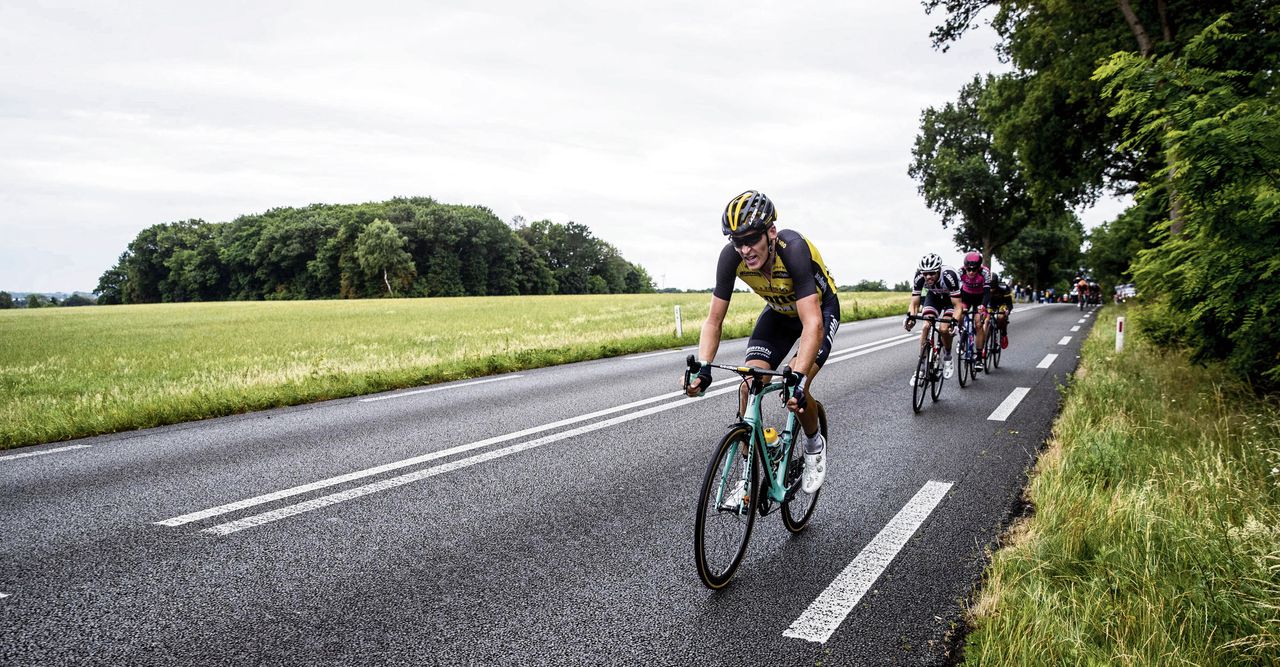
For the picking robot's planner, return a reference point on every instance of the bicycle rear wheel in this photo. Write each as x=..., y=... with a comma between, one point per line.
x=995, y=346
x=722, y=526
x=921, y=386
x=798, y=509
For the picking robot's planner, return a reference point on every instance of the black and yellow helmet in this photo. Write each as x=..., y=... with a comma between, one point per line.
x=748, y=212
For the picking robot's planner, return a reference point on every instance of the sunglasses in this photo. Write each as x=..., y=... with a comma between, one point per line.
x=742, y=241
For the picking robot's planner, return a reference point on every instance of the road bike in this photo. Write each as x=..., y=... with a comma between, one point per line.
x=753, y=470
x=969, y=362
x=928, y=377
x=992, y=359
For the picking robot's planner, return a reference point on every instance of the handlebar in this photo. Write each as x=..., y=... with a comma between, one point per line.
x=789, y=377
x=930, y=318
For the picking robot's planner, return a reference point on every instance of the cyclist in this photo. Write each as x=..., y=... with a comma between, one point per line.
x=787, y=271
x=999, y=304
x=975, y=282
x=1082, y=291
x=937, y=288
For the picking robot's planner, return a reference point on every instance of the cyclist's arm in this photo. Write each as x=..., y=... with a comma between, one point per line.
x=810, y=310
x=709, y=340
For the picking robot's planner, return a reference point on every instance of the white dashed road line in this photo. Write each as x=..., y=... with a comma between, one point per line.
x=1075, y=328
x=439, y=388
x=1065, y=340
x=1080, y=321
x=1006, y=408
x=1047, y=361
x=833, y=605
x=10, y=457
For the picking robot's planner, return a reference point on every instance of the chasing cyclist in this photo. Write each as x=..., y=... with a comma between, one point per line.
x=975, y=283
x=937, y=288
x=999, y=305
x=787, y=271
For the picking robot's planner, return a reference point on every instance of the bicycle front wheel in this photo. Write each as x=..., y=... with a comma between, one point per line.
x=798, y=509
x=726, y=508
x=965, y=360
x=921, y=385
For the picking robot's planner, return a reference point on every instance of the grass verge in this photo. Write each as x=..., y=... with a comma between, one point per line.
x=72, y=372
x=1155, y=538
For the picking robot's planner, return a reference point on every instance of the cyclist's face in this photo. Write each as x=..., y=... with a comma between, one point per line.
x=753, y=248
x=930, y=277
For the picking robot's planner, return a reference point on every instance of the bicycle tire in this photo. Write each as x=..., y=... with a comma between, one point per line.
x=935, y=387
x=798, y=509
x=966, y=368
x=717, y=555
x=921, y=386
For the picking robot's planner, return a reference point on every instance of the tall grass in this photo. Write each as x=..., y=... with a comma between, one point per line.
x=1156, y=533
x=71, y=372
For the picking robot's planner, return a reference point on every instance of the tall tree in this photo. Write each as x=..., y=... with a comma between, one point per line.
x=965, y=177
x=380, y=249
x=1047, y=254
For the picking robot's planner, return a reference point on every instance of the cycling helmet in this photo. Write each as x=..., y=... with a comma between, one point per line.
x=972, y=259
x=750, y=211
x=995, y=278
x=930, y=263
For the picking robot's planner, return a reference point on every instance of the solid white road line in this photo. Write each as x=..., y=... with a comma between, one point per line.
x=10, y=457
x=396, y=465
x=1065, y=340
x=1075, y=328
x=829, y=610
x=5, y=595
x=439, y=388
x=659, y=354
x=1047, y=361
x=350, y=494
x=1006, y=408
x=880, y=345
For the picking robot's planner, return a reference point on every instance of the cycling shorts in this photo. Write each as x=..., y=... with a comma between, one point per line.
x=775, y=333
x=971, y=299
x=935, y=303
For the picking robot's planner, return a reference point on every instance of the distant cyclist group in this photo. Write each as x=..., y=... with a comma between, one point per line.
x=786, y=270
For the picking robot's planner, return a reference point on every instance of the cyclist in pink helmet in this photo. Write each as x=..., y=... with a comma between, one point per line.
x=975, y=290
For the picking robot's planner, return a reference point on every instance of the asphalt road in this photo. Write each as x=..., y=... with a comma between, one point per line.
x=542, y=517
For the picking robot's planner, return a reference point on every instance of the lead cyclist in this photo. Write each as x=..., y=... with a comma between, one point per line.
x=787, y=271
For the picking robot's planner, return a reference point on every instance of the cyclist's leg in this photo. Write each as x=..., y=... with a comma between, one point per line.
x=767, y=346
x=830, y=324
x=971, y=302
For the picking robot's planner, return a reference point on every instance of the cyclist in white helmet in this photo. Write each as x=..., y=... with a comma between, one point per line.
x=937, y=288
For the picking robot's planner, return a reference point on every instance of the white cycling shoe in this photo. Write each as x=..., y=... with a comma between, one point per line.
x=948, y=368
x=815, y=469
x=733, y=501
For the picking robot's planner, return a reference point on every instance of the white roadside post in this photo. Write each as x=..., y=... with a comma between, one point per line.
x=679, y=325
x=1119, y=334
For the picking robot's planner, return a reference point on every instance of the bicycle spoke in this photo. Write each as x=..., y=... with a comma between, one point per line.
x=726, y=509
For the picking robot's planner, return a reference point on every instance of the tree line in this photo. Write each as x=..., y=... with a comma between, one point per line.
x=1174, y=102
x=413, y=247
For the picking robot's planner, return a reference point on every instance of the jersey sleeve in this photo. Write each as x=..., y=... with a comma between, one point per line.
x=726, y=272
x=917, y=283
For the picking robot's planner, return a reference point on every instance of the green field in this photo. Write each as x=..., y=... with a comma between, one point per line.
x=1156, y=533
x=72, y=372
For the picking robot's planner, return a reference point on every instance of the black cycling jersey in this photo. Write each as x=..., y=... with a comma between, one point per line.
x=947, y=285
x=797, y=272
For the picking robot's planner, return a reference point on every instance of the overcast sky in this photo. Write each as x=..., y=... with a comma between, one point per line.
x=639, y=121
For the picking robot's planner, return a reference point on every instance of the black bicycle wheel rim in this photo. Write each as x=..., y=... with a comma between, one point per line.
x=720, y=537
x=798, y=509
x=965, y=370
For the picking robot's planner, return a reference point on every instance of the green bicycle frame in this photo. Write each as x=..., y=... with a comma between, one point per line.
x=775, y=456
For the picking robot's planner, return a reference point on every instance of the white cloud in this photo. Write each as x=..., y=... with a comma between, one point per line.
x=638, y=121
